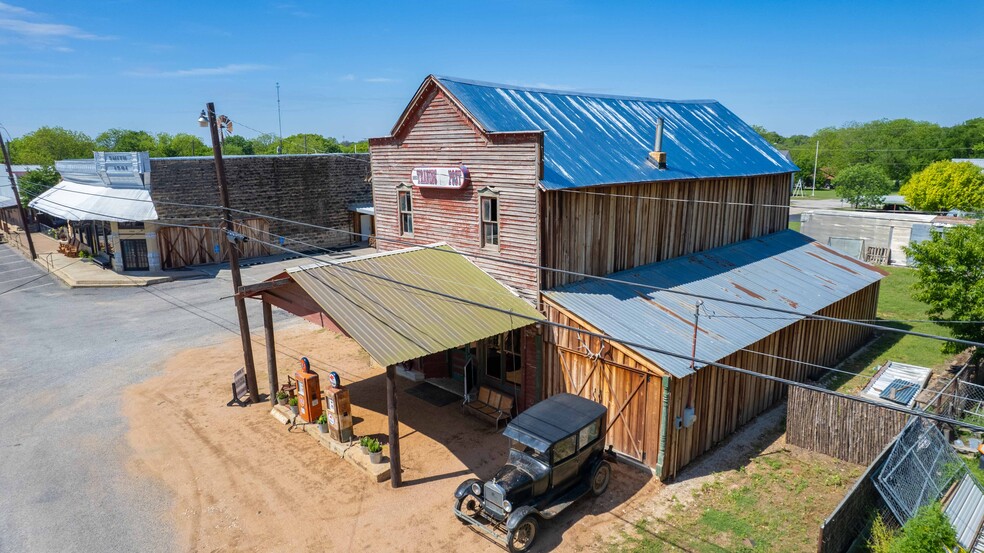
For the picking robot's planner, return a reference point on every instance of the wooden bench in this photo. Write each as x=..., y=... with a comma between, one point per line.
x=70, y=248
x=492, y=405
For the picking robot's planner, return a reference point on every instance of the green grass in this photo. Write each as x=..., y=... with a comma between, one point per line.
x=774, y=503
x=895, y=303
x=820, y=195
x=795, y=225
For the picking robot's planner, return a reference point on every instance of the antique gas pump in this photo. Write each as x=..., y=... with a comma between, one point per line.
x=308, y=392
x=339, y=409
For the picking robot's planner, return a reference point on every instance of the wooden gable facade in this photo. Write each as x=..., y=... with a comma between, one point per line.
x=435, y=132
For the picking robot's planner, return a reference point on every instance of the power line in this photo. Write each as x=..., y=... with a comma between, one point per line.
x=503, y=260
x=636, y=345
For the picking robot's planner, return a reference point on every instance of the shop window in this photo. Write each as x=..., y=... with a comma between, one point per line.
x=406, y=213
x=504, y=358
x=490, y=222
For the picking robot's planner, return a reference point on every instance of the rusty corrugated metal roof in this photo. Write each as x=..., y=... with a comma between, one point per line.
x=596, y=139
x=786, y=270
x=395, y=322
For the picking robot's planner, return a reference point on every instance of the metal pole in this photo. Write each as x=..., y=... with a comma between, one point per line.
x=20, y=206
x=280, y=123
x=271, y=351
x=394, y=427
x=816, y=158
x=237, y=280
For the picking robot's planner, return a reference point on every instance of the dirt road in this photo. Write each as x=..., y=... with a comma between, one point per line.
x=242, y=482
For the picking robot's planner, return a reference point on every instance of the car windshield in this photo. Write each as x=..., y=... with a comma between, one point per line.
x=532, y=452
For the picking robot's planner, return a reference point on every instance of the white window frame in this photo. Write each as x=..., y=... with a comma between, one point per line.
x=489, y=194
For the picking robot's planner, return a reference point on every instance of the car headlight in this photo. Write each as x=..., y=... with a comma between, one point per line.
x=476, y=489
x=507, y=506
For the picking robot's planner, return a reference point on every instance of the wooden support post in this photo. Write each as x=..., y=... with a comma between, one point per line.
x=394, y=427
x=271, y=351
x=25, y=226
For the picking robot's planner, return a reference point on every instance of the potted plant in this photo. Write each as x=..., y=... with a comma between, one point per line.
x=364, y=444
x=375, y=451
x=323, y=423
x=282, y=397
x=293, y=405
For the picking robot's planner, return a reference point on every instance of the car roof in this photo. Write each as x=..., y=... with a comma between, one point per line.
x=553, y=419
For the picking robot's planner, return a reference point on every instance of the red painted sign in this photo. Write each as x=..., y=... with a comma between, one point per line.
x=439, y=177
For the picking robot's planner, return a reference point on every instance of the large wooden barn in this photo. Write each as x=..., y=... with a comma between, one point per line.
x=673, y=201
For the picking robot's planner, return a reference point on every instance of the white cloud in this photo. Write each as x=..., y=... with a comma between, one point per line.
x=349, y=77
x=17, y=10
x=230, y=69
x=379, y=80
x=45, y=30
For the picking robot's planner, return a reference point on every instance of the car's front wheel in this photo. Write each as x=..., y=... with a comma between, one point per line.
x=522, y=536
x=601, y=477
x=468, y=505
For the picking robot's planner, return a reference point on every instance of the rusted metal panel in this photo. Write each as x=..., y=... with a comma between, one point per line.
x=784, y=270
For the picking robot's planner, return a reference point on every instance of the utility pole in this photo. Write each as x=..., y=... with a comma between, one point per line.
x=280, y=123
x=237, y=281
x=17, y=198
x=816, y=158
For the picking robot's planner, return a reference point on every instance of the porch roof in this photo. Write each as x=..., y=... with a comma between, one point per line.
x=410, y=303
x=85, y=202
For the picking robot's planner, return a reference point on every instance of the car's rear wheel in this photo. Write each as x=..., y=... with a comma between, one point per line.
x=601, y=477
x=468, y=505
x=521, y=537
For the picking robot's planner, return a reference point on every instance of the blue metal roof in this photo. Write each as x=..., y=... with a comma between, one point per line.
x=900, y=391
x=593, y=139
x=786, y=270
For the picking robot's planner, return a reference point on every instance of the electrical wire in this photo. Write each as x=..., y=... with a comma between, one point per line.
x=636, y=345
x=503, y=260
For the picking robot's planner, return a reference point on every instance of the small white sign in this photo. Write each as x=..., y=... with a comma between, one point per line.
x=439, y=177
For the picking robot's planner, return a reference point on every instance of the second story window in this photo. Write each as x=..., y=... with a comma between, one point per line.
x=490, y=222
x=406, y=213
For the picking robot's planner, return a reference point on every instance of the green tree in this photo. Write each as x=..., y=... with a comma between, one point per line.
x=771, y=137
x=308, y=143
x=181, y=144
x=265, y=144
x=946, y=185
x=863, y=185
x=950, y=272
x=125, y=140
x=49, y=144
x=33, y=183
x=237, y=145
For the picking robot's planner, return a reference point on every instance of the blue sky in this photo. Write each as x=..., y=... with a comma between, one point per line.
x=349, y=68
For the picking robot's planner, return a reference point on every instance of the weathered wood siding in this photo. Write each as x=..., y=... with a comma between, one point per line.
x=191, y=245
x=439, y=134
x=723, y=400
x=604, y=229
x=843, y=428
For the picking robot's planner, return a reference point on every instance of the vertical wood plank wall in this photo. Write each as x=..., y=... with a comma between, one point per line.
x=723, y=400
x=604, y=229
x=440, y=135
x=183, y=246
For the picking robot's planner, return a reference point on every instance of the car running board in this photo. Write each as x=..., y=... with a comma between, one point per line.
x=562, y=502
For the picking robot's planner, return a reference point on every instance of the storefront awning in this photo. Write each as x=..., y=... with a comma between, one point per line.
x=84, y=202
x=406, y=304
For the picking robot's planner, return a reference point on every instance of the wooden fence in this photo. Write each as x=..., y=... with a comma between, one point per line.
x=192, y=245
x=843, y=428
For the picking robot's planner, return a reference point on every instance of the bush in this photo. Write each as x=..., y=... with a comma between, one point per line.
x=323, y=419
x=293, y=401
x=946, y=185
x=929, y=531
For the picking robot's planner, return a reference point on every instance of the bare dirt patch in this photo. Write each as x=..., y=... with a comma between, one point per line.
x=242, y=482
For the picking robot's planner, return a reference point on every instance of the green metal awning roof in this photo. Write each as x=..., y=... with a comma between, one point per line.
x=410, y=318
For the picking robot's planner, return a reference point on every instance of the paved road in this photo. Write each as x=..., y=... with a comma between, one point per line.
x=65, y=355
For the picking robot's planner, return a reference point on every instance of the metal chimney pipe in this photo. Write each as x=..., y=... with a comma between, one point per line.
x=659, y=135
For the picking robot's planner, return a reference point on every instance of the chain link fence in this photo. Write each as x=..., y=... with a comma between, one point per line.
x=920, y=469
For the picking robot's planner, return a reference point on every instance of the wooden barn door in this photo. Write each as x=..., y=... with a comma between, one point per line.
x=624, y=391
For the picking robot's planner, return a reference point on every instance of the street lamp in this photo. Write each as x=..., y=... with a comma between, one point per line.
x=224, y=124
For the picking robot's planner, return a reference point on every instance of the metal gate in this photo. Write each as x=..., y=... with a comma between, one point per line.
x=134, y=255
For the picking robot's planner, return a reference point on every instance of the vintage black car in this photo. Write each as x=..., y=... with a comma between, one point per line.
x=556, y=456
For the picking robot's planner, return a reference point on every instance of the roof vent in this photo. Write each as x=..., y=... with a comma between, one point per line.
x=658, y=156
